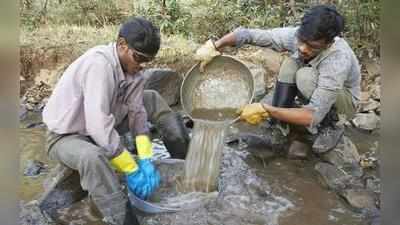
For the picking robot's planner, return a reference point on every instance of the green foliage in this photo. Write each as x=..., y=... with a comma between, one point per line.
x=78, y=12
x=362, y=25
x=215, y=18
x=171, y=17
x=93, y=12
x=203, y=19
x=31, y=13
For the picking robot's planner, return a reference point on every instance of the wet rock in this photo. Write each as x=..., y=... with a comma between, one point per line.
x=344, y=154
x=366, y=121
x=373, y=184
x=331, y=176
x=255, y=141
x=298, y=150
x=34, y=168
x=82, y=212
x=258, y=145
x=372, y=216
x=167, y=82
x=31, y=214
x=359, y=199
x=61, y=190
x=345, y=158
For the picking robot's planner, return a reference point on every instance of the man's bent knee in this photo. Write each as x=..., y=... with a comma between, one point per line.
x=93, y=159
x=306, y=81
x=288, y=70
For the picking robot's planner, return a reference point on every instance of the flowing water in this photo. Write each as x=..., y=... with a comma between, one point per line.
x=204, y=156
x=250, y=191
x=220, y=114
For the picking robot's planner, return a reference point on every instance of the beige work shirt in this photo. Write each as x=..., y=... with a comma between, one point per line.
x=93, y=96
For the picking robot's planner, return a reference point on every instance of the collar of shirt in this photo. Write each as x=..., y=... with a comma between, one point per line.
x=120, y=73
x=124, y=80
x=116, y=63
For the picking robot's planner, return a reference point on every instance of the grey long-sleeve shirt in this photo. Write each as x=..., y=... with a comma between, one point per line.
x=93, y=96
x=337, y=66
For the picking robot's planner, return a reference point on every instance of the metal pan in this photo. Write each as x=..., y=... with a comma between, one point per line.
x=225, y=83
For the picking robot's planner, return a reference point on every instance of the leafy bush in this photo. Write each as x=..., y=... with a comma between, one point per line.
x=203, y=19
x=362, y=25
x=78, y=12
x=168, y=15
x=92, y=12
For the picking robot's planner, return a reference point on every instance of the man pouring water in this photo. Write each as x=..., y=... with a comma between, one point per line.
x=322, y=72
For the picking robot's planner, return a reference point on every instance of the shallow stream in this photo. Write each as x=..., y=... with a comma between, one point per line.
x=250, y=191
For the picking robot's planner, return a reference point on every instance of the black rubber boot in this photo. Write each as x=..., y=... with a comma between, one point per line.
x=174, y=134
x=329, y=133
x=284, y=94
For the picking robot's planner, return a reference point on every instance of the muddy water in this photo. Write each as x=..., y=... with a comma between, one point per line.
x=32, y=146
x=204, y=156
x=222, y=82
x=314, y=205
x=251, y=190
x=220, y=114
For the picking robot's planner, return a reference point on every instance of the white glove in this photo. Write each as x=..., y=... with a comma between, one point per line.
x=206, y=53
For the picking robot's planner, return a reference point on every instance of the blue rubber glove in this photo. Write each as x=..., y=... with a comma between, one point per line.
x=139, y=184
x=145, y=152
x=136, y=180
x=148, y=169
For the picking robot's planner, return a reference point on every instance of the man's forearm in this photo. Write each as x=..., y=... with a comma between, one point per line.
x=299, y=116
x=227, y=40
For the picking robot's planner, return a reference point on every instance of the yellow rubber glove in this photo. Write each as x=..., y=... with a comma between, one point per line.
x=253, y=113
x=124, y=163
x=206, y=53
x=143, y=146
x=138, y=182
